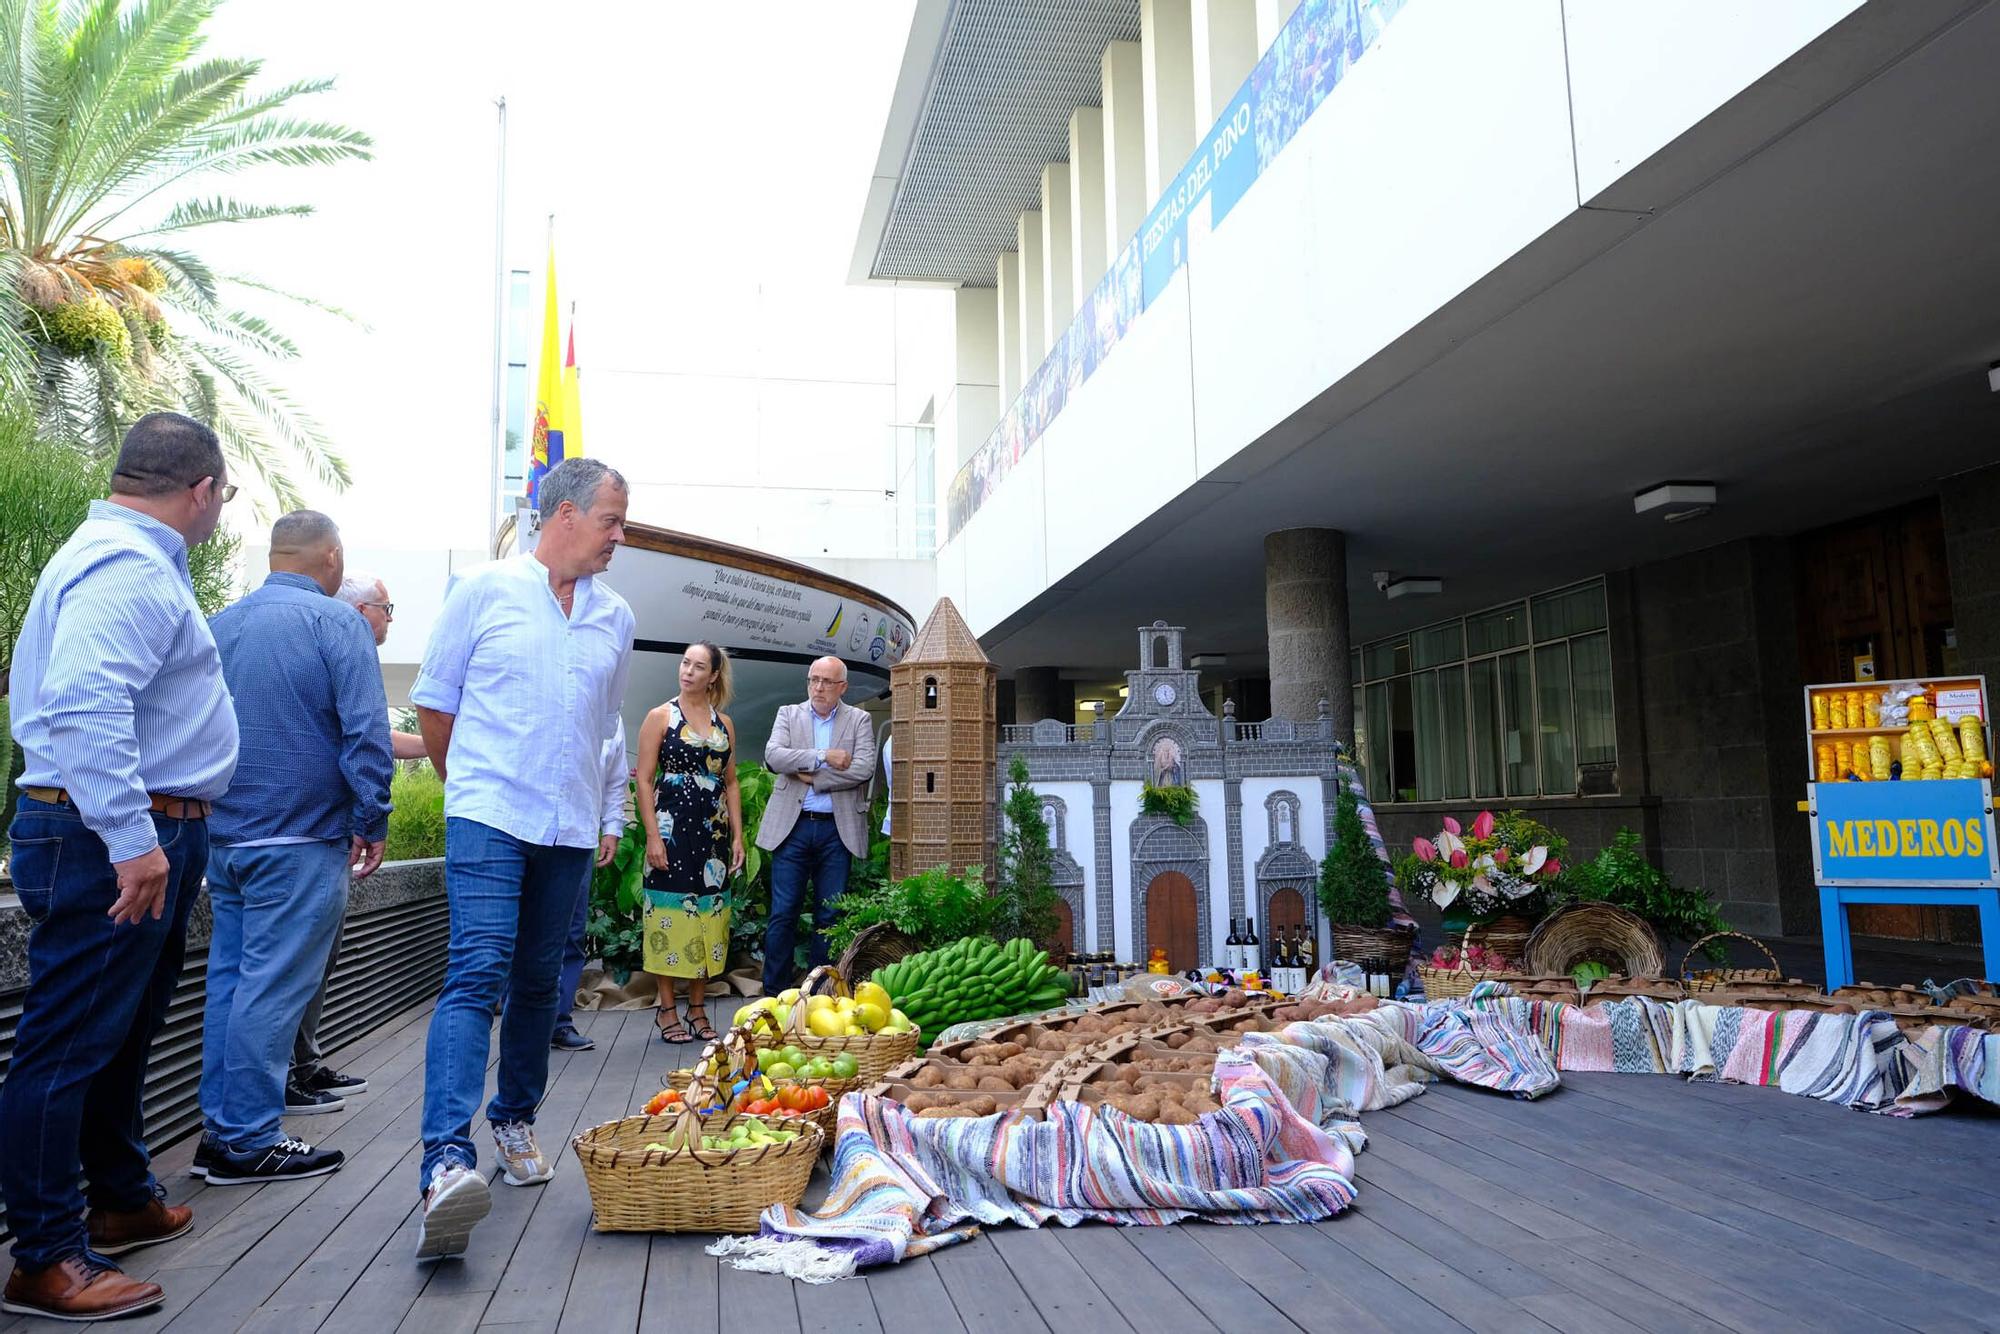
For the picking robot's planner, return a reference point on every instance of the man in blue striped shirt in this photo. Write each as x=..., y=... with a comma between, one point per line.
x=120, y=709
x=309, y=800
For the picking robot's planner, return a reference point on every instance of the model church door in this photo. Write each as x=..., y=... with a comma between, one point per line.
x=1170, y=920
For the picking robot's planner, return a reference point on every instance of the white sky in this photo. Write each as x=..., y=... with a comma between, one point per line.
x=707, y=166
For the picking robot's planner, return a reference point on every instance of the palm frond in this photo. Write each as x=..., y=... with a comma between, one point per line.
x=190, y=281
x=17, y=355
x=276, y=409
x=254, y=332
x=296, y=298
x=193, y=213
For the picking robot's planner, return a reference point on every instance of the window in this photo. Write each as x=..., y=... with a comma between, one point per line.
x=1505, y=703
x=930, y=692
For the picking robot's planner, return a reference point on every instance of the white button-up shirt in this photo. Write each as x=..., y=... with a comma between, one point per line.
x=537, y=699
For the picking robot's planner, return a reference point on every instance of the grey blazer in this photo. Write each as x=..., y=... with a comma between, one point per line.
x=789, y=752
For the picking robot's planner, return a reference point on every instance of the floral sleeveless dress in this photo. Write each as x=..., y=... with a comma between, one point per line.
x=687, y=904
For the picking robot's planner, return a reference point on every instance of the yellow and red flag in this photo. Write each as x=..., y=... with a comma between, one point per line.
x=548, y=444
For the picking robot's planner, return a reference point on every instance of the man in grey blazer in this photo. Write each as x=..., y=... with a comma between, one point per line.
x=823, y=754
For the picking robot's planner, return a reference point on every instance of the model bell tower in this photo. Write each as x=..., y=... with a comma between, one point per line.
x=941, y=784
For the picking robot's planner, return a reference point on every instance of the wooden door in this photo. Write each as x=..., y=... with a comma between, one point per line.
x=1170, y=920
x=1287, y=911
x=1063, y=939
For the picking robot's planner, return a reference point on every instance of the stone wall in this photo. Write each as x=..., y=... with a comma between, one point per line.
x=1718, y=681
x=1971, y=504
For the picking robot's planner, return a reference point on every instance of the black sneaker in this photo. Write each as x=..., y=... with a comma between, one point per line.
x=568, y=1039
x=324, y=1080
x=309, y=1102
x=204, y=1155
x=287, y=1160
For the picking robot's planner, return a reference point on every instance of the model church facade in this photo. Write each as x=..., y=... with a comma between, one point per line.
x=1263, y=801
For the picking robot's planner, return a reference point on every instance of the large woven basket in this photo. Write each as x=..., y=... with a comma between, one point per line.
x=636, y=1189
x=1714, y=979
x=1449, y=983
x=1592, y=932
x=1358, y=944
x=875, y=1053
x=875, y=947
x=1507, y=936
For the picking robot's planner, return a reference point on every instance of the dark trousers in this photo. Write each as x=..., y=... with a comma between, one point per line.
x=97, y=995
x=811, y=852
x=574, y=954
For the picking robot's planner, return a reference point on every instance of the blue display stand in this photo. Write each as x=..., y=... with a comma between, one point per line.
x=1907, y=842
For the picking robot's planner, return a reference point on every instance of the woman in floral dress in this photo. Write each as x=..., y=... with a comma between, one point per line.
x=694, y=838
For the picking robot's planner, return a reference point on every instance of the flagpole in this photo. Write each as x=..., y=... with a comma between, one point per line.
x=498, y=424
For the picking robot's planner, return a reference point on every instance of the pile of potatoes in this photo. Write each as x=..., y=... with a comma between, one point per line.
x=942, y=1106
x=1003, y=1074
x=1305, y=1011
x=1158, y=1101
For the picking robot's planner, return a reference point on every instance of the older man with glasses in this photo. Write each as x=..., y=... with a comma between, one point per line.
x=121, y=710
x=816, y=820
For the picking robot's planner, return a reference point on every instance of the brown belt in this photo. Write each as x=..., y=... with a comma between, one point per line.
x=174, y=808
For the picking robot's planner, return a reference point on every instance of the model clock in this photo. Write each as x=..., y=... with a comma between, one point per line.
x=1163, y=694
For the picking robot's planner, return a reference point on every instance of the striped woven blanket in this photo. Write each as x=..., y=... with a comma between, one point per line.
x=905, y=1185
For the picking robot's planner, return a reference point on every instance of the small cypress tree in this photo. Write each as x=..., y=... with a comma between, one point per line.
x=1027, y=866
x=1353, y=882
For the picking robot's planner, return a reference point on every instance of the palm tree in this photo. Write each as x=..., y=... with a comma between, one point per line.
x=111, y=119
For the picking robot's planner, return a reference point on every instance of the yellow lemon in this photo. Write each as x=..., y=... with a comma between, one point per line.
x=845, y=1005
x=814, y=1004
x=870, y=1016
x=825, y=1024
x=789, y=996
x=873, y=993
x=898, y=1022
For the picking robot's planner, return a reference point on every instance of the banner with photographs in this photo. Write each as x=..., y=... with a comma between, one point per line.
x=1312, y=53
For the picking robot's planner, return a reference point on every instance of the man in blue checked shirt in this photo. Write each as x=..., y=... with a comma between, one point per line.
x=310, y=800
x=518, y=695
x=121, y=712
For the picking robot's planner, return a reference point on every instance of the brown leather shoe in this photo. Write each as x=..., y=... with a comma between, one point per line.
x=77, y=1289
x=114, y=1232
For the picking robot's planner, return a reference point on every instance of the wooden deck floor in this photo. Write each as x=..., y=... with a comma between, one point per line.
x=1618, y=1203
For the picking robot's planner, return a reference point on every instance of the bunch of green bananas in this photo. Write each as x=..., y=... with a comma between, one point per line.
x=973, y=978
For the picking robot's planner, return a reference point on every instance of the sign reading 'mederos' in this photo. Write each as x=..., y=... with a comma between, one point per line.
x=1930, y=833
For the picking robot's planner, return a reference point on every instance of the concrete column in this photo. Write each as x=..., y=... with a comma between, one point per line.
x=1121, y=84
x=1034, y=319
x=1225, y=50
x=973, y=406
x=1271, y=16
x=1058, y=282
x=1007, y=324
x=1305, y=616
x=1086, y=200
x=1166, y=66
x=1035, y=694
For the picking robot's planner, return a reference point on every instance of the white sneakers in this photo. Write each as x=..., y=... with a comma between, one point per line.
x=458, y=1196
x=520, y=1155
x=457, y=1199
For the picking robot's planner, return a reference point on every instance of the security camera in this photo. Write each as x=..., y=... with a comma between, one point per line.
x=1382, y=578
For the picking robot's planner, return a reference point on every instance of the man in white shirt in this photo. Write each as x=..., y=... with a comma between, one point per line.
x=517, y=698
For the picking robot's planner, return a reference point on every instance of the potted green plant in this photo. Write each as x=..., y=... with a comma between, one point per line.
x=1176, y=803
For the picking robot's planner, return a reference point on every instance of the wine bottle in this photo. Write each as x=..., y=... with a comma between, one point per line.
x=1252, y=953
x=1228, y=960
x=1307, y=949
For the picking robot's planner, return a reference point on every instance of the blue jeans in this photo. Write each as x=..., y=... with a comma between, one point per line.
x=575, y=952
x=277, y=912
x=97, y=995
x=812, y=851
x=510, y=904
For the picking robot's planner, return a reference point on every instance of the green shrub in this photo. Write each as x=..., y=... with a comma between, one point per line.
x=933, y=907
x=1620, y=875
x=416, y=826
x=1353, y=882
x=1176, y=803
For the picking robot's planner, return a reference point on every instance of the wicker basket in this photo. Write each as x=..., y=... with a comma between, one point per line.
x=1446, y=983
x=1507, y=936
x=874, y=1052
x=1592, y=933
x=636, y=1189
x=1391, y=945
x=876, y=947
x=738, y=1047
x=1714, y=979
